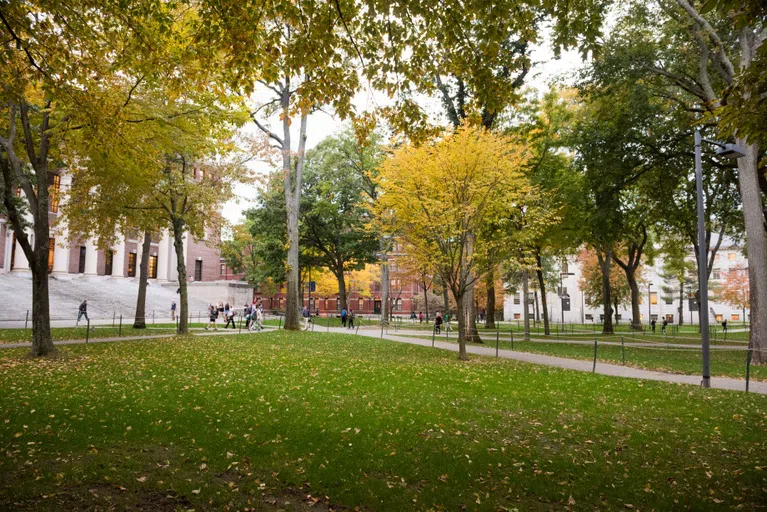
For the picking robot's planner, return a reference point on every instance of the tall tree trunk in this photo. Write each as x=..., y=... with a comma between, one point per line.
x=445, y=299
x=341, y=288
x=542, y=287
x=756, y=247
x=604, y=265
x=463, y=324
x=140, y=321
x=426, y=300
x=681, y=303
x=636, y=323
x=615, y=311
x=536, y=307
x=13, y=175
x=526, y=302
x=178, y=244
x=490, y=312
x=472, y=336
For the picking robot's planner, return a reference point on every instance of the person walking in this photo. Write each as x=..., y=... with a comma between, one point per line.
x=652, y=324
x=259, y=317
x=438, y=323
x=230, y=314
x=663, y=326
x=724, y=325
x=305, y=314
x=212, y=317
x=343, y=316
x=351, y=319
x=173, y=311
x=412, y=316
x=420, y=317
x=82, y=312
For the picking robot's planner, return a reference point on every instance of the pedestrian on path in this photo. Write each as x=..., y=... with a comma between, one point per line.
x=343, y=317
x=420, y=317
x=305, y=314
x=259, y=318
x=173, y=310
x=438, y=323
x=413, y=318
x=82, y=312
x=663, y=326
x=230, y=314
x=652, y=324
x=724, y=325
x=351, y=319
x=212, y=317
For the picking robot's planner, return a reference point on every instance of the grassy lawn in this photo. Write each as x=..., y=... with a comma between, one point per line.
x=78, y=333
x=279, y=421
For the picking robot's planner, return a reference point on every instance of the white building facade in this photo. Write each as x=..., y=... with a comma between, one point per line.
x=655, y=304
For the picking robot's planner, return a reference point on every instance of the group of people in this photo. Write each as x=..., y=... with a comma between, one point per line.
x=253, y=315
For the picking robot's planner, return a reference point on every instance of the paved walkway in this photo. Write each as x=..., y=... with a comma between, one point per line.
x=559, y=362
x=613, y=370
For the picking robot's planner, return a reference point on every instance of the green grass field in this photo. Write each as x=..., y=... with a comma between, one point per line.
x=283, y=420
x=78, y=333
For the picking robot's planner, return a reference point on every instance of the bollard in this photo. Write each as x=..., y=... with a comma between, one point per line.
x=623, y=352
x=153, y=317
x=433, y=333
x=113, y=318
x=314, y=322
x=176, y=325
x=279, y=325
x=327, y=323
x=382, y=330
x=198, y=318
x=239, y=329
x=497, y=340
x=26, y=320
x=87, y=331
x=748, y=366
x=511, y=335
x=120, y=331
x=594, y=368
x=357, y=330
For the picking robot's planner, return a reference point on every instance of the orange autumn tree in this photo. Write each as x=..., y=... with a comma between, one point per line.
x=456, y=202
x=735, y=289
x=590, y=282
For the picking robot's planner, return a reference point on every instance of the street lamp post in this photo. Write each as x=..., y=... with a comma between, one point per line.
x=727, y=151
x=649, y=303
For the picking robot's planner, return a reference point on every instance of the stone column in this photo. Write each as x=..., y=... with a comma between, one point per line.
x=20, y=263
x=118, y=260
x=163, y=257
x=91, y=258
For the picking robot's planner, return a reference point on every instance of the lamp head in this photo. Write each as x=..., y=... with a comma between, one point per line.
x=731, y=151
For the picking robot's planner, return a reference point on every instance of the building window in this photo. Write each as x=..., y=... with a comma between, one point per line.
x=669, y=300
x=719, y=318
x=563, y=291
x=653, y=298
x=109, y=257
x=589, y=317
x=132, y=264
x=81, y=265
x=222, y=270
x=51, y=250
x=153, y=267
x=198, y=270
x=716, y=274
x=517, y=300
x=517, y=316
x=360, y=304
x=565, y=269
x=734, y=317
x=55, y=193
x=338, y=303
x=398, y=305
x=731, y=256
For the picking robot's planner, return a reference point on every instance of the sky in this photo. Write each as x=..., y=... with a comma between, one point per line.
x=321, y=125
